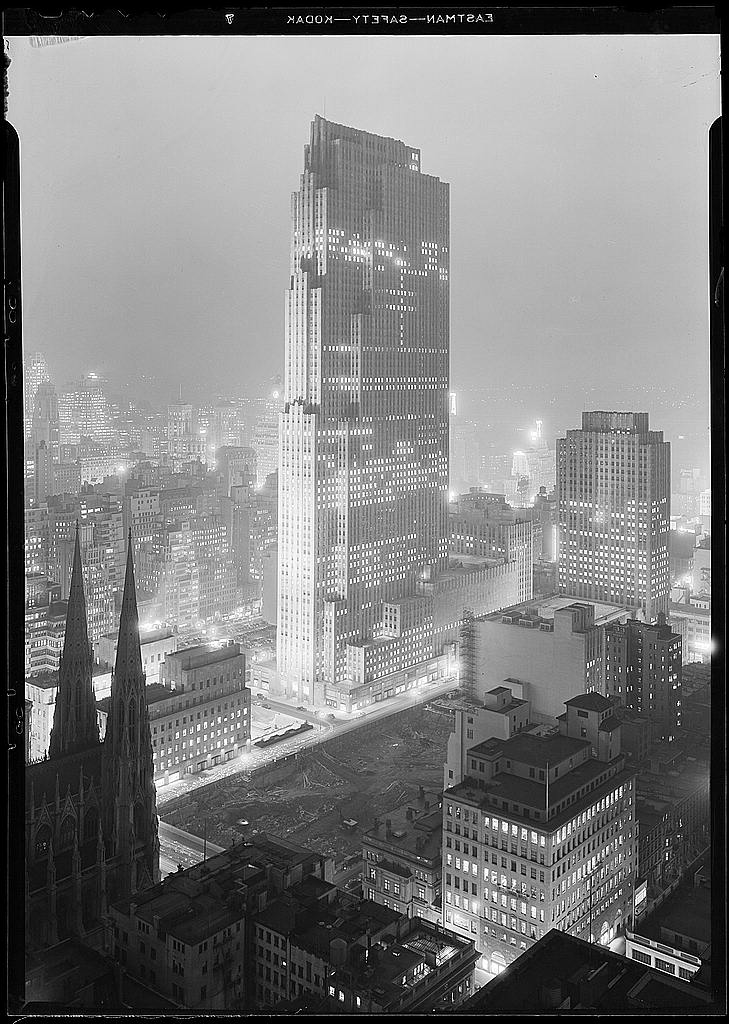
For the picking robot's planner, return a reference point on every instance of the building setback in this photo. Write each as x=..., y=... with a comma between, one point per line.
x=200, y=715
x=363, y=451
x=614, y=507
x=542, y=834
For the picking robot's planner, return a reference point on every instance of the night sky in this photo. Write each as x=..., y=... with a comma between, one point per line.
x=157, y=174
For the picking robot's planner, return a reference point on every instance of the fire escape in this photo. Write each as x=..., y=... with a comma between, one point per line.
x=466, y=656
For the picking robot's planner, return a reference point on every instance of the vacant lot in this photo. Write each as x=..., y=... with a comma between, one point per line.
x=362, y=776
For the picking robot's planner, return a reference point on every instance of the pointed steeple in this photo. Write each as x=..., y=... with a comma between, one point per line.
x=129, y=797
x=75, y=725
x=128, y=651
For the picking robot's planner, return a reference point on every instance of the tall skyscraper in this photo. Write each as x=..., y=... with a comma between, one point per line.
x=36, y=373
x=613, y=493
x=363, y=449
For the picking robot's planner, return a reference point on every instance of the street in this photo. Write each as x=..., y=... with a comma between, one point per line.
x=179, y=847
x=324, y=728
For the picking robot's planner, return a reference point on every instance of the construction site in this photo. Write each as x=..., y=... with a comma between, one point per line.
x=326, y=797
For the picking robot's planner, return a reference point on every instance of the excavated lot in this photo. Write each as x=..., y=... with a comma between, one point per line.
x=362, y=775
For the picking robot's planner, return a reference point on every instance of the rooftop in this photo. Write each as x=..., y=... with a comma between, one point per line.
x=563, y=972
x=514, y=790
x=195, y=657
x=590, y=702
x=418, y=836
x=207, y=897
x=686, y=912
x=537, y=751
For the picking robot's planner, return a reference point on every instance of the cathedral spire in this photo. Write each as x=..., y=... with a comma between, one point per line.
x=75, y=725
x=129, y=796
x=128, y=651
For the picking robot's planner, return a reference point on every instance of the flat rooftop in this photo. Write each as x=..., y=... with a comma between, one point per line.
x=204, y=654
x=419, y=836
x=531, y=794
x=537, y=751
x=686, y=912
x=560, y=967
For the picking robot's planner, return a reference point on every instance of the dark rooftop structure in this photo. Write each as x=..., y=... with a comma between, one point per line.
x=561, y=972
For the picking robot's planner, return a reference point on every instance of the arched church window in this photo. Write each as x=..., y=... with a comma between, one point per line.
x=91, y=825
x=68, y=830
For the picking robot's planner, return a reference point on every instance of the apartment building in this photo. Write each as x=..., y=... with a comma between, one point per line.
x=401, y=860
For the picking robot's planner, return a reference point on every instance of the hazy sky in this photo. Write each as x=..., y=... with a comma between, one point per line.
x=157, y=174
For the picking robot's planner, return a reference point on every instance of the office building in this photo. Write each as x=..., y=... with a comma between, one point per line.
x=219, y=713
x=614, y=506
x=199, y=712
x=185, y=443
x=542, y=834
x=483, y=524
x=84, y=413
x=265, y=435
x=642, y=669
x=35, y=374
x=363, y=458
x=45, y=423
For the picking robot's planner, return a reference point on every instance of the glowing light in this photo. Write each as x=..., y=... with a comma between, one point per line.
x=275, y=395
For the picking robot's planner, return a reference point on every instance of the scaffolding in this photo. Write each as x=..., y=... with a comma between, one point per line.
x=466, y=656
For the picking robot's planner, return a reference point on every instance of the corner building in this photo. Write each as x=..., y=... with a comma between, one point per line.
x=363, y=438
x=614, y=510
x=542, y=834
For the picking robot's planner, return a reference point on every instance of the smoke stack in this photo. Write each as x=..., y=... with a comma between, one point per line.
x=388, y=827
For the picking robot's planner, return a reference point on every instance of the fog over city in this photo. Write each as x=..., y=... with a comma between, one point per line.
x=365, y=498
x=155, y=225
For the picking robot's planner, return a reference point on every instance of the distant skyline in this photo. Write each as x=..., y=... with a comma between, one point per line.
x=157, y=174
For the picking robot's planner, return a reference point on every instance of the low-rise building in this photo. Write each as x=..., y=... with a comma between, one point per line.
x=200, y=715
x=355, y=956
x=401, y=861
x=676, y=937
x=692, y=620
x=155, y=643
x=189, y=937
x=673, y=812
x=541, y=834
x=565, y=973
